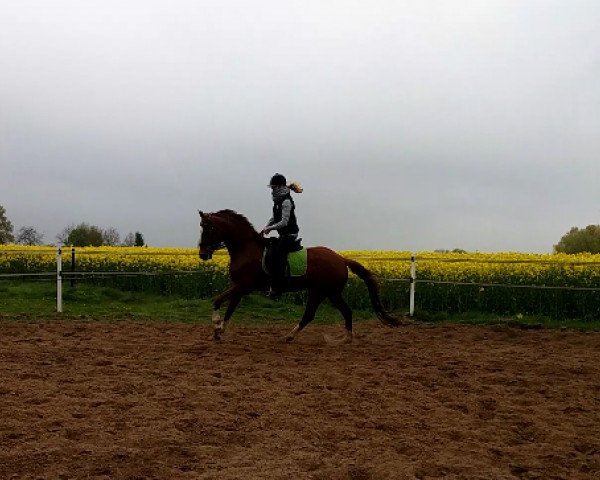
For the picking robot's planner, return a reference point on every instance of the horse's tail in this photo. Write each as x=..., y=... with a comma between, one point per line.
x=371, y=283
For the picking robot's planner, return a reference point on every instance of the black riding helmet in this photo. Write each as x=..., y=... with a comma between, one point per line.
x=277, y=180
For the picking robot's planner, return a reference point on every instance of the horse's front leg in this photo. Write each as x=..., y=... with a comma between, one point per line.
x=232, y=295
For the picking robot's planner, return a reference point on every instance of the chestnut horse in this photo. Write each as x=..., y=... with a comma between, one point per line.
x=325, y=277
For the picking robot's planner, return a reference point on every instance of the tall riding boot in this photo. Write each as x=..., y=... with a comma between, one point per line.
x=278, y=276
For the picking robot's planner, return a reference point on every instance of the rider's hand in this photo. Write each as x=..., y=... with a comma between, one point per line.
x=265, y=231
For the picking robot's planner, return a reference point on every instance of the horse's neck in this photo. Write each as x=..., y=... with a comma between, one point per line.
x=244, y=245
x=241, y=239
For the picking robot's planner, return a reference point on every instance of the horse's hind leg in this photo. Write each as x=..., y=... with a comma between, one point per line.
x=338, y=301
x=314, y=300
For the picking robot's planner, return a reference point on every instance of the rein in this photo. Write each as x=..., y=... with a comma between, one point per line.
x=215, y=246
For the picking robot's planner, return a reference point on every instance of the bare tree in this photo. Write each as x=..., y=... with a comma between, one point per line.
x=111, y=237
x=29, y=236
x=63, y=237
x=129, y=240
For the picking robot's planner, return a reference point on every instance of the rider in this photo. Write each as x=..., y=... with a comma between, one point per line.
x=284, y=221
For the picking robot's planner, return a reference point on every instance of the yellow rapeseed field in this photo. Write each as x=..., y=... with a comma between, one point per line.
x=508, y=268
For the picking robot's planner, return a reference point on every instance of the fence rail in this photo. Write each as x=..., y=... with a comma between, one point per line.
x=510, y=285
x=20, y=275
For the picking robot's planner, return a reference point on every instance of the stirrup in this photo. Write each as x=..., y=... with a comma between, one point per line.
x=274, y=293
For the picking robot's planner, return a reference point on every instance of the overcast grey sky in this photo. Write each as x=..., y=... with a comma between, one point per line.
x=412, y=125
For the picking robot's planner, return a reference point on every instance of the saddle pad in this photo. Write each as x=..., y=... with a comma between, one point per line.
x=297, y=262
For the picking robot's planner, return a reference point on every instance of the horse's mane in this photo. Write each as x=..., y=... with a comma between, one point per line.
x=238, y=218
x=232, y=214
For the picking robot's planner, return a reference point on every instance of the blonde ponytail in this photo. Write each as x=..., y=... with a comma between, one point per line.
x=295, y=187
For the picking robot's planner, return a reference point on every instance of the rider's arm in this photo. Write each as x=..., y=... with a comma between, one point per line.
x=267, y=228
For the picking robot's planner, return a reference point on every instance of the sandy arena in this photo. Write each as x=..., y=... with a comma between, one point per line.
x=124, y=400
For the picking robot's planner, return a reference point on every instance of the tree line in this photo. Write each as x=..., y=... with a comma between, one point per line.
x=576, y=240
x=81, y=235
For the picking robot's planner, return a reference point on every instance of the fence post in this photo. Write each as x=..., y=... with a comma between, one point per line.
x=59, y=280
x=413, y=278
x=72, y=266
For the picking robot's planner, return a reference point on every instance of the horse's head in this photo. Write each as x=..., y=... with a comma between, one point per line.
x=224, y=228
x=211, y=236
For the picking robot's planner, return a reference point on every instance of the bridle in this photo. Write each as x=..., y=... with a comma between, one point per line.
x=215, y=246
x=211, y=247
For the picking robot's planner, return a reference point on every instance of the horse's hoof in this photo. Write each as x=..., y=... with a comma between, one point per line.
x=344, y=340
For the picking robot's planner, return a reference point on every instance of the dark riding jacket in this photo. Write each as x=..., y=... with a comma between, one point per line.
x=292, y=226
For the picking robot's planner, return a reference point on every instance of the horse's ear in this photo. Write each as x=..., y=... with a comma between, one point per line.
x=204, y=217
